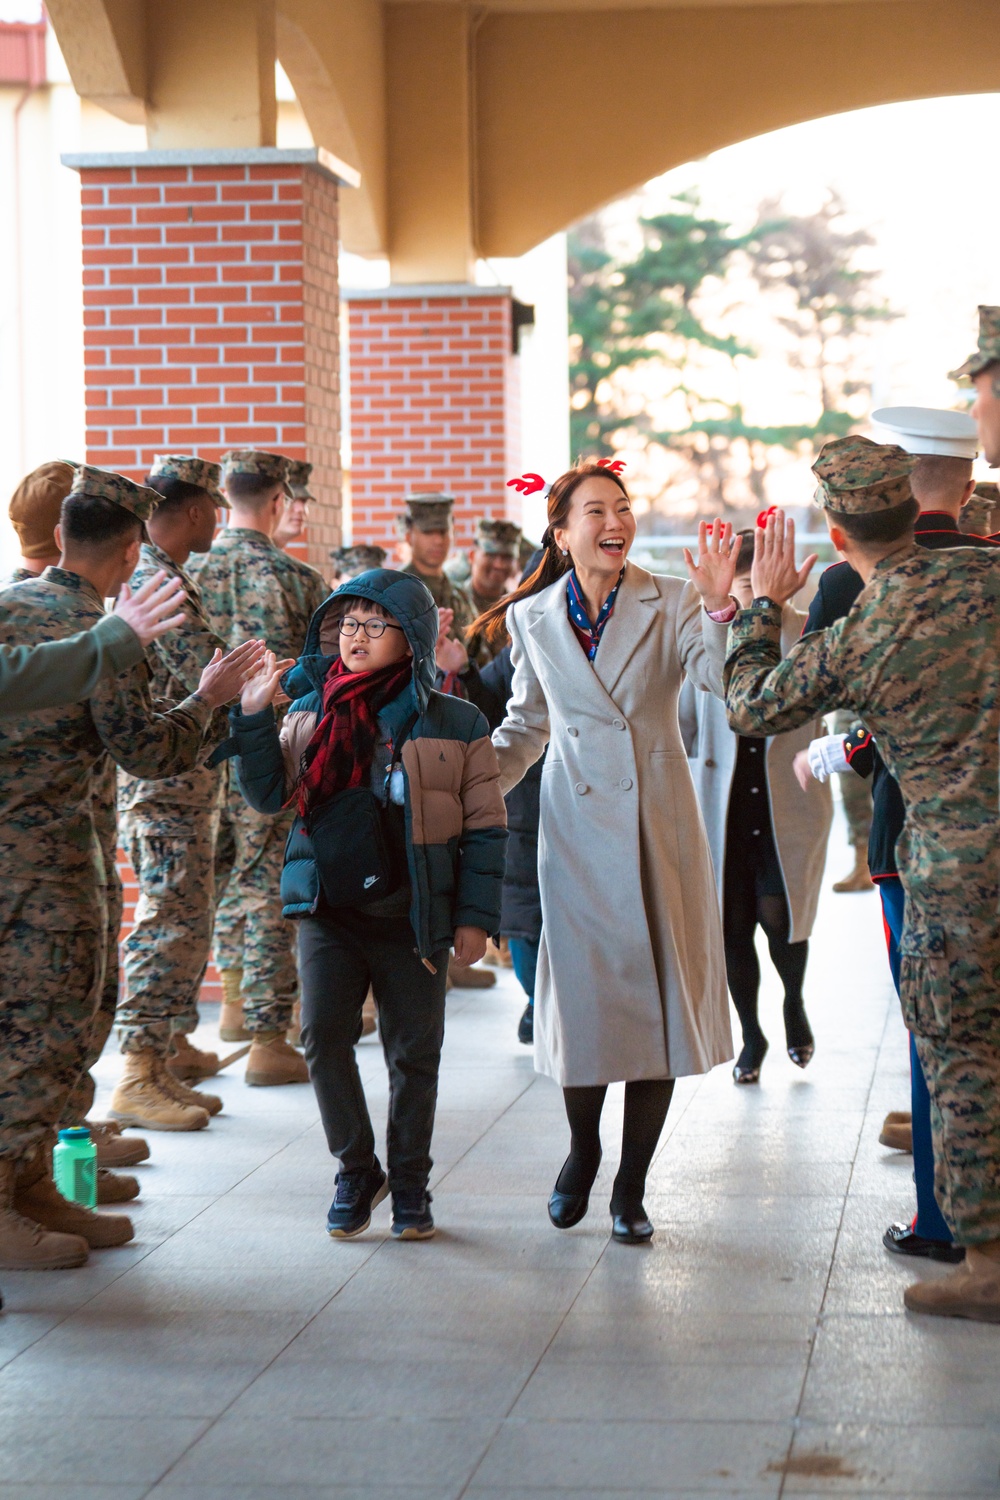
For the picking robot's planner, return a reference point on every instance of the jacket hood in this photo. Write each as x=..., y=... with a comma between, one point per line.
x=409, y=602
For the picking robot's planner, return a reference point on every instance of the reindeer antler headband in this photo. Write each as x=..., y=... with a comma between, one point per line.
x=530, y=484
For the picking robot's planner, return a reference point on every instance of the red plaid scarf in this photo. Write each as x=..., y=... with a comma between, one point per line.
x=339, y=755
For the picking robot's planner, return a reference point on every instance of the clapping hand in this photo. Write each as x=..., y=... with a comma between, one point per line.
x=450, y=655
x=263, y=689
x=774, y=574
x=154, y=608
x=713, y=573
x=222, y=679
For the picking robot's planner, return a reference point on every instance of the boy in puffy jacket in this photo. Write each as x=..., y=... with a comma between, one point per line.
x=367, y=740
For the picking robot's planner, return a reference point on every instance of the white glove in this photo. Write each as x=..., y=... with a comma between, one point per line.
x=826, y=755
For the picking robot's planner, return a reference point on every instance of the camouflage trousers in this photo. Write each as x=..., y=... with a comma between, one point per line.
x=856, y=791
x=51, y=985
x=250, y=932
x=81, y=1098
x=949, y=987
x=172, y=851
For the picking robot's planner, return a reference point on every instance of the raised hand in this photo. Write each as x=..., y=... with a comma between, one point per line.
x=263, y=687
x=222, y=679
x=154, y=608
x=774, y=574
x=713, y=573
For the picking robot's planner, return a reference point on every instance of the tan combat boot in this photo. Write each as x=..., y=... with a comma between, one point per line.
x=294, y=1032
x=232, y=1027
x=973, y=1291
x=273, y=1061
x=859, y=878
x=24, y=1244
x=144, y=1097
x=38, y=1198
x=184, y=1095
x=116, y=1187
x=369, y=1017
x=113, y=1148
x=461, y=977
x=897, y=1138
x=189, y=1063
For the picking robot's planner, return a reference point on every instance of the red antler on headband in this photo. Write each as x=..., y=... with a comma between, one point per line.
x=528, y=484
x=762, y=518
x=614, y=464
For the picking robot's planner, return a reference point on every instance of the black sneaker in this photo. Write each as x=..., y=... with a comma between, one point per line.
x=902, y=1240
x=357, y=1194
x=526, y=1025
x=411, y=1214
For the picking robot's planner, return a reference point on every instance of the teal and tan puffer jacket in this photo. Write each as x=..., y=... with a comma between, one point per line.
x=456, y=823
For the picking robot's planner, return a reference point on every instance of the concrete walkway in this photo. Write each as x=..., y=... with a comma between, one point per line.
x=758, y=1348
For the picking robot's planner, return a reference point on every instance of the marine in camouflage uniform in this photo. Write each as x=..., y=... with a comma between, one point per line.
x=54, y=903
x=247, y=582
x=497, y=542
x=169, y=827
x=432, y=514
x=932, y=698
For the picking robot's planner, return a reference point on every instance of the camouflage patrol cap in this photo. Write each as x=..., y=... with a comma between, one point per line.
x=189, y=470
x=35, y=507
x=856, y=475
x=272, y=467
x=350, y=561
x=981, y=513
x=103, y=484
x=298, y=479
x=498, y=538
x=427, y=513
x=988, y=351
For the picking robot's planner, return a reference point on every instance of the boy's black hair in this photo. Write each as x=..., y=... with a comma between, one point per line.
x=745, y=560
x=177, y=493
x=249, y=487
x=877, y=528
x=346, y=604
x=89, y=521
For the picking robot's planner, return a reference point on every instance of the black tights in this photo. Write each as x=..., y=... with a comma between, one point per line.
x=646, y=1103
x=742, y=910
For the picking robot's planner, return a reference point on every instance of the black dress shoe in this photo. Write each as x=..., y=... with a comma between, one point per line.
x=902, y=1240
x=631, y=1227
x=750, y=1061
x=526, y=1025
x=801, y=1056
x=567, y=1209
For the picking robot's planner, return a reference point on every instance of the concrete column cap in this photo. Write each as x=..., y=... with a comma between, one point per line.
x=222, y=156
x=401, y=290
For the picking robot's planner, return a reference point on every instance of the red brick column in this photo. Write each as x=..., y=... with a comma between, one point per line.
x=433, y=404
x=211, y=311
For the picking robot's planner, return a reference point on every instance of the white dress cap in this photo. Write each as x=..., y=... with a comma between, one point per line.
x=927, y=429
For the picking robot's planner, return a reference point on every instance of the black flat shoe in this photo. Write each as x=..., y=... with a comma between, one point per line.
x=902, y=1240
x=567, y=1209
x=749, y=1062
x=798, y=1035
x=801, y=1056
x=631, y=1227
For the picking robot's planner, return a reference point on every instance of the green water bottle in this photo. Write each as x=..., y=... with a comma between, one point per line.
x=74, y=1166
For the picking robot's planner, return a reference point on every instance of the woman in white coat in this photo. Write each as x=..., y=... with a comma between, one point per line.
x=768, y=836
x=631, y=981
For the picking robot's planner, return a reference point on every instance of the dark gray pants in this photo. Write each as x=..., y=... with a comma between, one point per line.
x=339, y=957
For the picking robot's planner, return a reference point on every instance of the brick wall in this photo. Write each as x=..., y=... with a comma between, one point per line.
x=433, y=398
x=211, y=311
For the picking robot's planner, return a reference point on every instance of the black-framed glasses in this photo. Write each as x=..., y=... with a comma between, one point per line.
x=373, y=629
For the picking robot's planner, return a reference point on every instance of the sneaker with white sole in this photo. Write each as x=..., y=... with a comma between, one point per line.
x=411, y=1214
x=357, y=1194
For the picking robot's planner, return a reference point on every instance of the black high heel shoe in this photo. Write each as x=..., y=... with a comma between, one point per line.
x=798, y=1036
x=750, y=1061
x=631, y=1226
x=567, y=1209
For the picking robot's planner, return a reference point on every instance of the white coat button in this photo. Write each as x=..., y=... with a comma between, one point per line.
x=756, y=833
x=618, y=723
x=626, y=783
x=582, y=787
x=572, y=732
x=755, y=790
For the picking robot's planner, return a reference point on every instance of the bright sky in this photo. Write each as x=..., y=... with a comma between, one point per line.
x=916, y=175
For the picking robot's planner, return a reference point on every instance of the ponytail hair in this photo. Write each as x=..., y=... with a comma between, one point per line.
x=553, y=566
